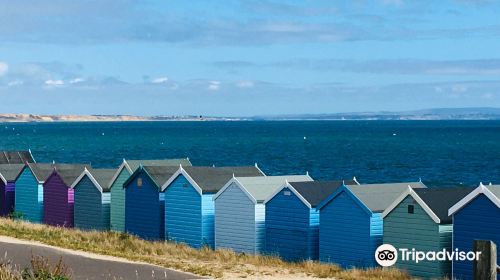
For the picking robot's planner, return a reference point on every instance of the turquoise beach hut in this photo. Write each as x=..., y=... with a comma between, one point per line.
x=92, y=199
x=189, y=205
x=145, y=202
x=292, y=218
x=419, y=219
x=117, y=216
x=29, y=191
x=475, y=217
x=9, y=173
x=240, y=213
x=351, y=225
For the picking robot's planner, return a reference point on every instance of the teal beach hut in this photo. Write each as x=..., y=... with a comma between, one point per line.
x=189, y=205
x=292, y=218
x=145, y=202
x=419, y=219
x=351, y=225
x=92, y=199
x=475, y=217
x=117, y=216
x=29, y=191
x=240, y=213
x=9, y=173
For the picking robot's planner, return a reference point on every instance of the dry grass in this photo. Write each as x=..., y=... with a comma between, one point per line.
x=205, y=262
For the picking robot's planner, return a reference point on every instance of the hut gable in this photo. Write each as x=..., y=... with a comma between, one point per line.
x=100, y=178
x=10, y=172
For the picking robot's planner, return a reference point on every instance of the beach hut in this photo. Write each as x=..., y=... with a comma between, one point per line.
x=58, y=196
x=16, y=157
x=351, y=225
x=475, y=217
x=419, y=219
x=117, y=216
x=292, y=219
x=92, y=199
x=145, y=202
x=240, y=213
x=9, y=173
x=29, y=191
x=189, y=205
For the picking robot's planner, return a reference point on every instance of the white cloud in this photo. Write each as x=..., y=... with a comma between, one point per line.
x=54, y=82
x=214, y=85
x=159, y=80
x=245, y=84
x=459, y=88
x=4, y=67
x=15, y=83
x=77, y=80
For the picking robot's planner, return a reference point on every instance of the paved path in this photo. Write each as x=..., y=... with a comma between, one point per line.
x=84, y=265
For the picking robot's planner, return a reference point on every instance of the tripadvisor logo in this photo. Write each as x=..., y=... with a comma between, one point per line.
x=387, y=255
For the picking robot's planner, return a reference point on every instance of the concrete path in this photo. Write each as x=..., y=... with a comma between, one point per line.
x=86, y=265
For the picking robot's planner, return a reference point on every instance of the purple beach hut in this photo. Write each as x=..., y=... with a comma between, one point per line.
x=8, y=176
x=58, y=196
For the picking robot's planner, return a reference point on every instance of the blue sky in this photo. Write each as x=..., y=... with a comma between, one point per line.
x=241, y=58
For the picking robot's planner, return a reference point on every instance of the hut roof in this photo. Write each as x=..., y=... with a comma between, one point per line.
x=134, y=164
x=377, y=197
x=70, y=172
x=160, y=174
x=10, y=172
x=99, y=177
x=314, y=192
x=492, y=192
x=17, y=157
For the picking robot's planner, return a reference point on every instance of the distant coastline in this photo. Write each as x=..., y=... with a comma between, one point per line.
x=476, y=113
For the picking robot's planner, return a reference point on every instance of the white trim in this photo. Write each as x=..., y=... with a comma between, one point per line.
x=355, y=180
x=482, y=189
x=260, y=170
x=239, y=185
x=183, y=172
x=290, y=187
x=124, y=164
x=414, y=195
x=88, y=174
x=3, y=179
x=34, y=161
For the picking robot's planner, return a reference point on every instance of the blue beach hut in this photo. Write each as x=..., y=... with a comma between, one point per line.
x=475, y=217
x=145, y=202
x=240, y=213
x=351, y=225
x=117, y=216
x=9, y=173
x=92, y=199
x=292, y=218
x=189, y=205
x=29, y=191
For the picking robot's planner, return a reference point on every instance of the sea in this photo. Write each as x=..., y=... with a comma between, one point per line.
x=440, y=153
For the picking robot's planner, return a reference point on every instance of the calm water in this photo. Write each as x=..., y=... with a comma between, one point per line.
x=439, y=152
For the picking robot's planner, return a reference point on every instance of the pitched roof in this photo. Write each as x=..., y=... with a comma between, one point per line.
x=103, y=176
x=160, y=174
x=15, y=157
x=439, y=200
x=492, y=192
x=212, y=179
x=377, y=197
x=315, y=192
x=134, y=164
x=261, y=188
x=41, y=170
x=10, y=172
x=70, y=172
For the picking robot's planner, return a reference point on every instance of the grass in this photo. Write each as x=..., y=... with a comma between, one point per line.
x=204, y=262
x=40, y=269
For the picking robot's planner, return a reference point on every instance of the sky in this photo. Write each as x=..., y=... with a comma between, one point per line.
x=245, y=58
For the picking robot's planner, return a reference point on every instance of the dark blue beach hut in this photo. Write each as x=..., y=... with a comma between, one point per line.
x=9, y=173
x=351, y=225
x=189, y=205
x=292, y=218
x=29, y=191
x=145, y=202
x=92, y=199
x=475, y=217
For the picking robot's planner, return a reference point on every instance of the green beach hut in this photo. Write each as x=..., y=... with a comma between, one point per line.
x=125, y=170
x=419, y=219
x=92, y=199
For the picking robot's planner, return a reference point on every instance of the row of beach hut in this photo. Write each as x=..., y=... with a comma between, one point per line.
x=242, y=209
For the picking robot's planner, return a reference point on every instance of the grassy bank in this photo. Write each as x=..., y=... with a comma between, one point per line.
x=205, y=262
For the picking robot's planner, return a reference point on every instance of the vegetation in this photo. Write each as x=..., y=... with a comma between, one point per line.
x=205, y=262
x=40, y=269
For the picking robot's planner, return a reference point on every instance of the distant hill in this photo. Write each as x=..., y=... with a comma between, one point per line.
x=97, y=118
x=473, y=113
